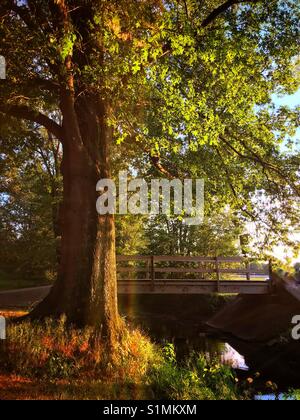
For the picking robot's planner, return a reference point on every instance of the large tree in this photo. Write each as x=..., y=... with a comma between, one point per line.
x=165, y=75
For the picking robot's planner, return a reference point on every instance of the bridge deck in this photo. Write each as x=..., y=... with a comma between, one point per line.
x=204, y=287
x=170, y=275
x=191, y=275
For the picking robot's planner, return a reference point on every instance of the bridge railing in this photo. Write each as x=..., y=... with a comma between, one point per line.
x=157, y=269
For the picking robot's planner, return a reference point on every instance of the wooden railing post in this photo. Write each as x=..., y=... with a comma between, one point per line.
x=148, y=266
x=218, y=274
x=152, y=273
x=271, y=278
x=248, y=271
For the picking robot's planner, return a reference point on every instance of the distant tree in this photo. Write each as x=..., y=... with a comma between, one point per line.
x=30, y=193
x=217, y=236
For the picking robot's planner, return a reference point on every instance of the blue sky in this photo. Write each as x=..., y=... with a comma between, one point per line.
x=291, y=101
x=288, y=100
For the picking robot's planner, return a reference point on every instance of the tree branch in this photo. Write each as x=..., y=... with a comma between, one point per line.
x=239, y=200
x=265, y=164
x=222, y=9
x=23, y=112
x=46, y=84
x=155, y=160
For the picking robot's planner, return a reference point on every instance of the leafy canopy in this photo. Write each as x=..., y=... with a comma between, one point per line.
x=188, y=83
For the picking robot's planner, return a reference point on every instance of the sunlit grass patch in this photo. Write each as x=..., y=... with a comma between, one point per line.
x=58, y=362
x=53, y=350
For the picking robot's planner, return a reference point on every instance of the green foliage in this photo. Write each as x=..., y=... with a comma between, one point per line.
x=199, y=96
x=293, y=394
x=218, y=235
x=131, y=238
x=197, y=379
x=30, y=192
x=67, y=45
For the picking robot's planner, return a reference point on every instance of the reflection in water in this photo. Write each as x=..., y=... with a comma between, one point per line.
x=213, y=349
x=273, y=397
x=187, y=341
x=231, y=357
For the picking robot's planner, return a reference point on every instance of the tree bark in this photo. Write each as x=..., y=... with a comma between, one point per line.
x=86, y=288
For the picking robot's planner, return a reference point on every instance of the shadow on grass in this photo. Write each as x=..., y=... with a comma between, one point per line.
x=18, y=388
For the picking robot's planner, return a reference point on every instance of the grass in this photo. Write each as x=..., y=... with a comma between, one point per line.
x=11, y=283
x=50, y=361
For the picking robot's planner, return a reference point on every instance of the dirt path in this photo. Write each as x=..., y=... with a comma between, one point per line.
x=23, y=298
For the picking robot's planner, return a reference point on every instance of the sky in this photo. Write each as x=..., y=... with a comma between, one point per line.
x=291, y=101
x=288, y=100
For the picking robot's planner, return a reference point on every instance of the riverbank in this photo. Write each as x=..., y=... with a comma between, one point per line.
x=52, y=361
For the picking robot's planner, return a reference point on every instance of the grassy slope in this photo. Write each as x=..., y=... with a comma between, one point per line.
x=61, y=363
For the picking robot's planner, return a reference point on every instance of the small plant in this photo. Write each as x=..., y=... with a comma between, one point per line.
x=197, y=378
x=169, y=353
x=59, y=366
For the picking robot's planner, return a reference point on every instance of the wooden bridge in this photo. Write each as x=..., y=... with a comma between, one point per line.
x=170, y=275
x=192, y=275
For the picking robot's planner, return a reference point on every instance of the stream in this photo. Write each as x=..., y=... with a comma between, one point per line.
x=273, y=367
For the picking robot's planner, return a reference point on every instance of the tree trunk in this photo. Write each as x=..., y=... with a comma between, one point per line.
x=86, y=288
